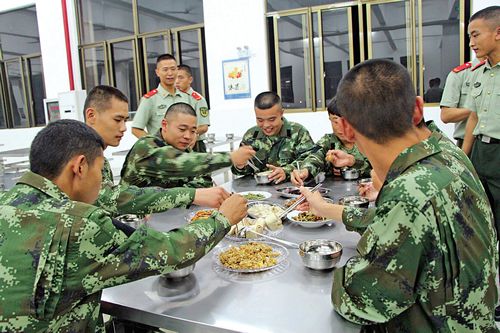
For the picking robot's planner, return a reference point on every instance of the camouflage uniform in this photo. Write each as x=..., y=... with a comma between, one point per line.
x=315, y=161
x=127, y=199
x=56, y=256
x=153, y=162
x=427, y=262
x=280, y=150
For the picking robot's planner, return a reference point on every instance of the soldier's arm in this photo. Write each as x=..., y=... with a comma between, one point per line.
x=201, y=129
x=315, y=160
x=362, y=164
x=450, y=112
x=367, y=289
x=469, y=137
x=141, y=118
x=357, y=219
x=246, y=170
x=303, y=145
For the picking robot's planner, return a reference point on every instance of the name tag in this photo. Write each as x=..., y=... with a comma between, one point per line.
x=485, y=139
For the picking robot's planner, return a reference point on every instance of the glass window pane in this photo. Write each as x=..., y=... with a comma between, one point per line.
x=441, y=40
x=19, y=33
x=190, y=55
x=123, y=70
x=294, y=61
x=160, y=15
x=37, y=89
x=18, y=107
x=3, y=122
x=102, y=20
x=275, y=5
x=390, y=32
x=154, y=47
x=94, y=67
x=317, y=62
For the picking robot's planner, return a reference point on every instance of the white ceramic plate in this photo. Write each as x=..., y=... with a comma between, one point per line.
x=283, y=254
x=271, y=205
x=265, y=195
x=293, y=215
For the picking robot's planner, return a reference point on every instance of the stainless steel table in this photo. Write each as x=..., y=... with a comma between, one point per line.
x=295, y=299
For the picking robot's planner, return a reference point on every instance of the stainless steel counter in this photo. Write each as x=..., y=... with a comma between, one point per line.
x=291, y=298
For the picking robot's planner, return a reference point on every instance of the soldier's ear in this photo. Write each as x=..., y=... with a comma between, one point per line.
x=418, y=111
x=347, y=129
x=90, y=116
x=79, y=165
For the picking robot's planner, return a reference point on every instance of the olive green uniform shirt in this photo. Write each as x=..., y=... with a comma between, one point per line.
x=199, y=104
x=153, y=162
x=128, y=199
x=484, y=99
x=57, y=255
x=279, y=150
x=153, y=106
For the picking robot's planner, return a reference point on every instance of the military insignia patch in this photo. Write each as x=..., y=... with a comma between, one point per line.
x=204, y=112
x=161, y=106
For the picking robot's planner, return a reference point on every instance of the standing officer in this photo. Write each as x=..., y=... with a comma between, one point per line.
x=456, y=90
x=154, y=104
x=482, y=133
x=278, y=142
x=199, y=104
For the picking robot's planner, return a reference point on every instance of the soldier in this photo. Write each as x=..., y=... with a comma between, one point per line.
x=455, y=93
x=154, y=104
x=277, y=141
x=411, y=273
x=330, y=153
x=58, y=252
x=106, y=111
x=199, y=104
x=166, y=160
x=482, y=132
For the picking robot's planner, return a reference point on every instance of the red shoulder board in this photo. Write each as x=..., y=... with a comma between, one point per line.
x=460, y=68
x=195, y=95
x=151, y=93
x=479, y=65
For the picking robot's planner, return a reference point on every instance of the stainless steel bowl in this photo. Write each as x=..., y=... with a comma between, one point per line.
x=131, y=220
x=262, y=177
x=211, y=137
x=349, y=173
x=355, y=201
x=364, y=181
x=320, y=254
x=180, y=273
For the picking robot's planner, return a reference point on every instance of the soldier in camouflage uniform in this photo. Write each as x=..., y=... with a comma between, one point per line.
x=427, y=257
x=278, y=142
x=165, y=159
x=330, y=153
x=106, y=111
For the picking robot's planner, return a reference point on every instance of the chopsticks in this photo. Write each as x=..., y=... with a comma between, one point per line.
x=298, y=202
x=250, y=164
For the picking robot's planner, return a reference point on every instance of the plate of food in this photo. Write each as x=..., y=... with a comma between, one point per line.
x=250, y=257
x=307, y=219
x=258, y=209
x=270, y=225
x=255, y=195
x=291, y=201
x=199, y=214
x=294, y=192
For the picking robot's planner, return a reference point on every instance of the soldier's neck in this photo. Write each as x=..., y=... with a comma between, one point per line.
x=494, y=58
x=170, y=89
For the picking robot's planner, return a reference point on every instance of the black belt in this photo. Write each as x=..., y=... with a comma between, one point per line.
x=487, y=139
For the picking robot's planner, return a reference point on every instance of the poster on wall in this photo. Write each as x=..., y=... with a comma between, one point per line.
x=236, y=78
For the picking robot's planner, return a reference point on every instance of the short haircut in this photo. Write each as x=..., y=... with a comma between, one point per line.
x=266, y=100
x=377, y=98
x=490, y=14
x=180, y=107
x=186, y=69
x=99, y=98
x=60, y=141
x=333, y=109
x=165, y=56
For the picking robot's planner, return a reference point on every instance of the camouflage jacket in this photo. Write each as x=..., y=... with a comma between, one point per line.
x=315, y=161
x=56, y=256
x=280, y=150
x=128, y=199
x=153, y=162
x=427, y=262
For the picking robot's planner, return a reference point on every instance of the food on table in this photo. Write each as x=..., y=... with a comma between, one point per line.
x=263, y=210
x=308, y=217
x=254, y=196
x=259, y=225
x=264, y=173
x=202, y=214
x=273, y=222
x=290, y=202
x=249, y=256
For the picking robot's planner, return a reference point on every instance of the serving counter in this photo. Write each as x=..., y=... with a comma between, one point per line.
x=288, y=298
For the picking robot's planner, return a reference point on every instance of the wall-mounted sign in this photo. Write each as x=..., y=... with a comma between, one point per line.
x=236, y=78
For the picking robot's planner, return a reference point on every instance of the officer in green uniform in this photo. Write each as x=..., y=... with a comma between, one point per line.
x=455, y=93
x=199, y=104
x=58, y=252
x=411, y=272
x=106, y=111
x=482, y=135
x=166, y=160
x=154, y=104
x=330, y=153
x=278, y=142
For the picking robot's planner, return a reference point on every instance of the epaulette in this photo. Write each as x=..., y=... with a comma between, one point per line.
x=151, y=93
x=460, y=68
x=478, y=65
x=195, y=95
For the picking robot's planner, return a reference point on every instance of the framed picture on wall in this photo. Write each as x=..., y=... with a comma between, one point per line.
x=236, y=78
